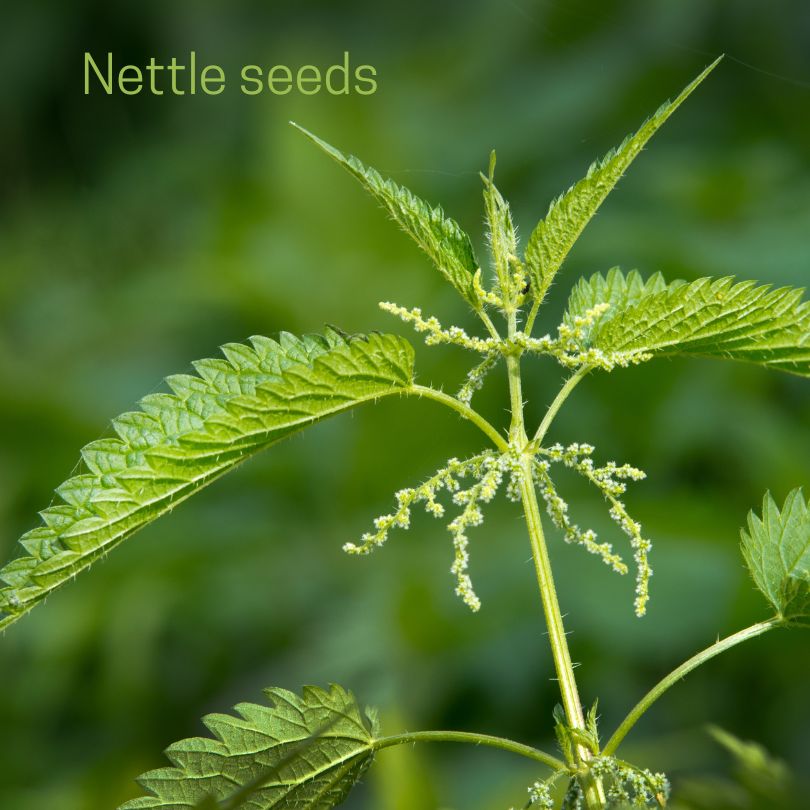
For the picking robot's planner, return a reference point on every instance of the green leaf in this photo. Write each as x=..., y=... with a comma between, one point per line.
x=776, y=547
x=177, y=443
x=562, y=731
x=615, y=289
x=500, y=232
x=439, y=236
x=707, y=317
x=567, y=216
x=301, y=752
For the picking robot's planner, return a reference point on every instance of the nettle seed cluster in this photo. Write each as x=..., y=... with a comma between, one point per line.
x=625, y=786
x=488, y=470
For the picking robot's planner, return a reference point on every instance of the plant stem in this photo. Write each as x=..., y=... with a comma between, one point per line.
x=474, y=739
x=517, y=429
x=527, y=328
x=594, y=793
x=683, y=670
x=569, y=386
x=551, y=607
x=482, y=313
x=542, y=564
x=465, y=411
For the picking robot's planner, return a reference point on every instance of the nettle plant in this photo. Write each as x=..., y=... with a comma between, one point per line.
x=307, y=750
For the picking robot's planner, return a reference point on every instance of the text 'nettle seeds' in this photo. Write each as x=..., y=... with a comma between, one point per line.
x=189, y=77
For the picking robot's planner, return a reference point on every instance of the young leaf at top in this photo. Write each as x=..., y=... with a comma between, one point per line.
x=439, y=236
x=177, y=443
x=707, y=317
x=776, y=547
x=502, y=236
x=567, y=216
x=300, y=753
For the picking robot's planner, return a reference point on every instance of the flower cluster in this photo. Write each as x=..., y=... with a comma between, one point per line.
x=574, y=334
x=596, y=358
x=540, y=796
x=482, y=492
x=557, y=510
x=610, y=480
x=570, y=346
x=488, y=470
x=485, y=296
x=437, y=334
x=625, y=786
x=427, y=492
x=628, y=785
x=492, y=348
x=541, y=345
x=476, y=376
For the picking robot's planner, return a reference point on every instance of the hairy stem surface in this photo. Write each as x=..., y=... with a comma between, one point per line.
x=532, y=315
x=551, y=606
x=473, y=739
x=684, y=669
x=463, y=410
x=555, y=406
x=594, y=793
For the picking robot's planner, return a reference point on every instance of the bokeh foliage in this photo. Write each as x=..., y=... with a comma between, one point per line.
x=138, y=233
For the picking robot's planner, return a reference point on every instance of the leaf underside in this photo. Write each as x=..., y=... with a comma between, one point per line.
x=301, y=752
x=440, y=237
x=776, y=548
x=179, y=442
x=708, y=317
x=554, y=236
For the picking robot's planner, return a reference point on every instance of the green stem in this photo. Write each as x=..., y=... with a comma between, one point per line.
x=474, y=739
x=683, y=670
x=527, y=328
x=482, y=313
x=517, y=429
x=569, y=386
x=542, y=564
x=594, y=793
x=463, y=410
x=551, y=606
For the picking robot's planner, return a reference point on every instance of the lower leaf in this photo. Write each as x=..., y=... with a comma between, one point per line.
x=178, y=443
x=303, y=751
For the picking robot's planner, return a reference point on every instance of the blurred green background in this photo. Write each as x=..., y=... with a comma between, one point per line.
x=139, y=233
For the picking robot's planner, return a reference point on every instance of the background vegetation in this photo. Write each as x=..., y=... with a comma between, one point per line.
x=139, y=233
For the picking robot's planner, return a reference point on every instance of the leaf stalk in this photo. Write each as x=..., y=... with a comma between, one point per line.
x=682, y=671
x=474, y=739
x=463, y=410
